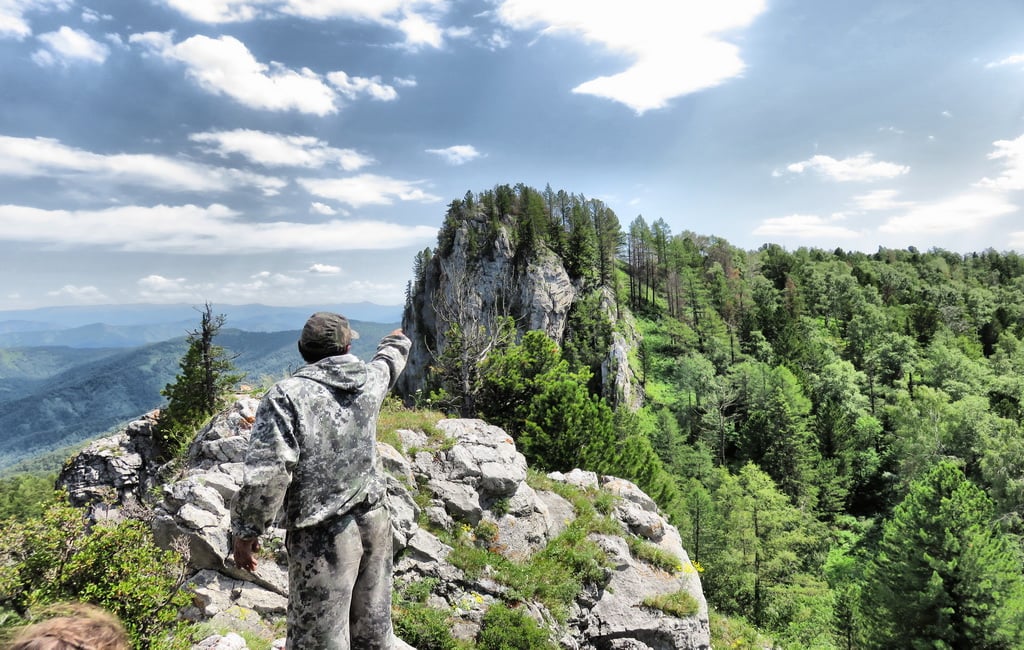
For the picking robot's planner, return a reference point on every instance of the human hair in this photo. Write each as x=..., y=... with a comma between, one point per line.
x=314, y=355
x=72, y=626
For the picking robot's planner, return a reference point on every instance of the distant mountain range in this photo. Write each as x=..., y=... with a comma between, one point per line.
x=96, y=378
x=120, y=326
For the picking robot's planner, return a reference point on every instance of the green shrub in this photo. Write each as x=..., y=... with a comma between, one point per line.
x=418, y=624
x=117, y=566
x=504, y=628
x=680, y=603
x=654, y=555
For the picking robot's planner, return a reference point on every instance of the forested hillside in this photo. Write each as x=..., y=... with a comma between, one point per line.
x=54, y=397
x=837, y=434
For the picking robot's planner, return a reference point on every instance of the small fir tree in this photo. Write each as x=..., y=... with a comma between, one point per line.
x=199, y=390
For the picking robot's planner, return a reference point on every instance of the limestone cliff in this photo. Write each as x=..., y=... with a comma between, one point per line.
x=466, y=484
x=477, y=274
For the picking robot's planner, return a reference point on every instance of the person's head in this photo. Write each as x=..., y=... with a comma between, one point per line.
x=325, y=334
x=73, y=626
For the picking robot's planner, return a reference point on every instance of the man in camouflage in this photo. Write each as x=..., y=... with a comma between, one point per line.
x=313, y=452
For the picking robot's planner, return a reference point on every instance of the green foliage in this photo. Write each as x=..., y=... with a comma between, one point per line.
x=507, y=628
x=679, y=604
x=24, y=496
x=198, y=391
x=654, y=555
x=944, y=575
x=416, y=622
x=57, y=557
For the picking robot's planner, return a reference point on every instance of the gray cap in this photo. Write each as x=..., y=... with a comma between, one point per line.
x=327, y=334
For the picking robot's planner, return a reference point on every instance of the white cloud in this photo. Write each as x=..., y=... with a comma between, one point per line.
x=418, y=20
x=459, y=154
x=676, y=48
x=804, y=226
x=862, y=167
x=28, y=157
x=325, y=269
x=191, y=229
x=13, y=23
x=66, y=46
x=367, y=189
x=962, y=213
x=1011, y=153
x=946, y=114
x=87, y=295
x=880, y=200
x=93, y=16
x=405, y=82
x=322, y=208
x=157, y=288
x=353, y=87
x=279, y=150
x=420, y=30
x=225, y=66
x=221, y=11
x=1014, y=59
x=1017, y=240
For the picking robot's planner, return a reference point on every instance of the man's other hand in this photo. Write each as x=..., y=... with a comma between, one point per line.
x=245, y=552
x=397, y=332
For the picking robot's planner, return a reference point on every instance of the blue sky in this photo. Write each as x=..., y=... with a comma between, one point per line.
x=300, y=152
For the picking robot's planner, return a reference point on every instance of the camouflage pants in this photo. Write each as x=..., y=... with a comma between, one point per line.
x=339, y=584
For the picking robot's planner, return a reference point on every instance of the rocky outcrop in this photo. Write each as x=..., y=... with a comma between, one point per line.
x=479, y=279
x=465, y=484
x=118, y=469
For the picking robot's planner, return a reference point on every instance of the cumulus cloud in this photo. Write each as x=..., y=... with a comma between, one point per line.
x=1011, y=154
x=322, y=208
x=93, y=16
x=962, y=213
x=225, y=66
x=804, y=226
x=280, y=150
x=862, y=167
x=459, y=154
x=31, y=157
x=676, y=48
x=879, y=200
x=160, y=289
x=192, y=229
x=417, y=20
x=325, y=269
x=354, y=87
x=87, y=295
x=13, y=21
x=67, y=46
x=1014, y=59
x=367, y=189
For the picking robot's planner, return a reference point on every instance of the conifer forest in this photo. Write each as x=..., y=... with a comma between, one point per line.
x=837, y=435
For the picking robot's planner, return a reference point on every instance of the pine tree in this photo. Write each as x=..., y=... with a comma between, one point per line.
x=943, y=575
x=199, y=390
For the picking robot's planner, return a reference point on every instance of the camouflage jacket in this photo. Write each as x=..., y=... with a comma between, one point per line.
x=313, y=447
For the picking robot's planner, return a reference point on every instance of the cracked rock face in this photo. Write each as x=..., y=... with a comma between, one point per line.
x=477, y=478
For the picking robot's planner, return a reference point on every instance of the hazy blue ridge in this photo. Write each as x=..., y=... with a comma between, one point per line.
x=86, y=398
x=251, y=317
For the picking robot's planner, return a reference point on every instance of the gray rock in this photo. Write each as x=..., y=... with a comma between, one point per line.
x=478, y=477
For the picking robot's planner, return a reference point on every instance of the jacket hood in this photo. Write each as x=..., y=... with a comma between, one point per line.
x=345, y=372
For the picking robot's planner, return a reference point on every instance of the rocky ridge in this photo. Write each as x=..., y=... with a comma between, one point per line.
x=464, y=479
x=480, y=277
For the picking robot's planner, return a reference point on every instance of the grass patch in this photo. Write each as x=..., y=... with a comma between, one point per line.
x=654, y=555
x=394, y=416
x=736, y=633
x=422, y=626
x=679, y=604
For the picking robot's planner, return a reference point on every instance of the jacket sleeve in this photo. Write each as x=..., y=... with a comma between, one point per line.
x=392, y=353
x=273, y=451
